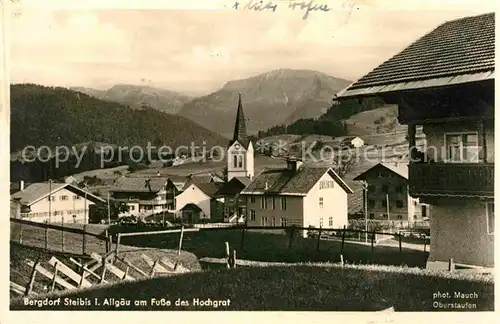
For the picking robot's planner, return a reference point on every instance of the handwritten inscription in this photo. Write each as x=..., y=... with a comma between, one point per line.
x=306, y=6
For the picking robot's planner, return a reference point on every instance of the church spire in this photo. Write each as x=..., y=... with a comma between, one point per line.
x=240, y=129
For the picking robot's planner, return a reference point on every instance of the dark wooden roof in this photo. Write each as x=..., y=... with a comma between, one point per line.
x=458, y=47
x=289, y=182
x=240, y=128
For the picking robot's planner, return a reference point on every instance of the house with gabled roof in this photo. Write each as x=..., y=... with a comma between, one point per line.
x=387, y=196
x=51, y=202
x=208, y=202
x=445, y=83
x=143, y=195
x=297, y=195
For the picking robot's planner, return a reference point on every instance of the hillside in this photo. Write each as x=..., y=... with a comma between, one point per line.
x=273, y=98
x=57, y=116
x=137, y=96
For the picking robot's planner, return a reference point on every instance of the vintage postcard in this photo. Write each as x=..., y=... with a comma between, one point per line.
x=250, y=155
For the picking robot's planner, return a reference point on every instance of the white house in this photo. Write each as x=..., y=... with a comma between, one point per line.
x=349, y=141
x=53, y=203
x=297, y=195
x=200, y=201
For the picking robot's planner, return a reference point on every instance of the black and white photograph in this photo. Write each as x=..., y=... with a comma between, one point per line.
x=283, y=156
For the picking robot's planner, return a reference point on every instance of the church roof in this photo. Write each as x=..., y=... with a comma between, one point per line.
x=240, y=128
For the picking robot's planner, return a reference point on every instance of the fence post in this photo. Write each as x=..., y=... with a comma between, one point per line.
x=228, y=264
x=84, y=238
x=117, y=243
x=180, y=240
x=62, y=234
x=451, y=265
x=373, y=238
x=243, y=236
x=20, y=233
x=342, y=260
x=29, y=288
x=319, y=237
x=343, y=240
x=46, y=238
x=292, y=232
x=53, y=286
x=400, y=248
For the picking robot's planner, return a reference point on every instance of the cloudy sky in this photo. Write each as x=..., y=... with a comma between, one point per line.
x=197, y=51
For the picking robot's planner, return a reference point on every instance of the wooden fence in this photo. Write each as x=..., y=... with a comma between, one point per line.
x=58, y=238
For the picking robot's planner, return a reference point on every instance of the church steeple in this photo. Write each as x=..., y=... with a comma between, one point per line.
x=240, y=128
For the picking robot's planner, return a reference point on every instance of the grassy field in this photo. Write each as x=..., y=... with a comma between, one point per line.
x=259, y=246
x=325, y=287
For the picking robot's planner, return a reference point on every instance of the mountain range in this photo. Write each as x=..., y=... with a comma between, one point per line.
x=277, y=97
x=273, y=98
x=137, y=97
x=58, y=116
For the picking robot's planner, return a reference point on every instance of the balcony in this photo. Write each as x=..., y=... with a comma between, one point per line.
x=451, y=179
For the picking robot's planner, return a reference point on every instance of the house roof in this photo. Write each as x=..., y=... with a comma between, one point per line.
x=400, y=169
x=343, y=139
x=211, y=189
x=458, y=51
x=126, y=184
x=191, y=206
x=234, y=186
x=40, y=190
x=288, y=182
x=240, y=128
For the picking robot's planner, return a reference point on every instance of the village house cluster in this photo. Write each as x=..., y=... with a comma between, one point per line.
x=442, y=82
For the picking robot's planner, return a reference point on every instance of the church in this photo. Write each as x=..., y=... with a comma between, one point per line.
x=221, y=200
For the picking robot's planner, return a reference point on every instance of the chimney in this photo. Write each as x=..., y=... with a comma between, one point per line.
x=21, y=185
x=267, y=186
x=293, y=164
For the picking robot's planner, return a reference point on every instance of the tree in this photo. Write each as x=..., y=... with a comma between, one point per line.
x=343, y=163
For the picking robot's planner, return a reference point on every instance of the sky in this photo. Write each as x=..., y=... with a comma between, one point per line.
x=196, y=48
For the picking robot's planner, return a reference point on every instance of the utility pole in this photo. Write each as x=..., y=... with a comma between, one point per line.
x=50, y=199
x=365, y=205
x=387, y=204
x=109, y=212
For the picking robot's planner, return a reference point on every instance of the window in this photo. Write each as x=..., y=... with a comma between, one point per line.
x=462, y=147
x=490, y=212
x=274, y=203
x=70, y=211
x=399, y=203
x=371, y=203
x=400, y=216
x=330, y=222
x=385, y=188
x=415, y=203
x=283, y=203
x=321, y=222
x=252, y=214
x=273, y=221
x=321, y=202
x=76, y=197
x=385, y=216
x=252, y=199
x=63, y=197
x=132, y=207
x=240, y=161
x=424, y=211
x=399, y=189
x=326, y=184
x=283, y=222
x=51, y=198
x=235, y=161
x=262, y=202
x=226, y=211
x=265, y=202
x=372, y=215
x=263, y=221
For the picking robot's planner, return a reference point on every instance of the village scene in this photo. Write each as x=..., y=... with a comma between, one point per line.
x=280, y=183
